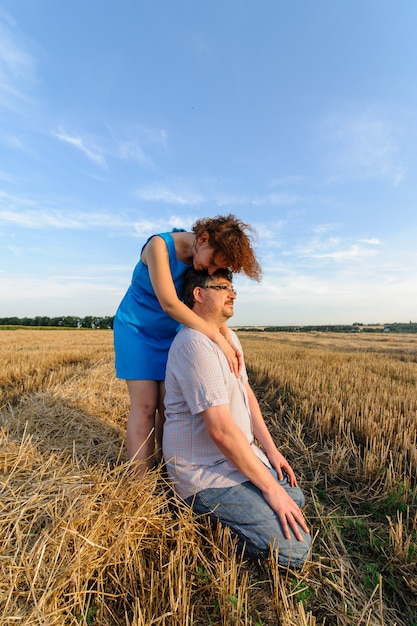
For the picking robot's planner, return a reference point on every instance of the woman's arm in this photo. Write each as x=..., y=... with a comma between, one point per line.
x=155, y=256
x=225, y=331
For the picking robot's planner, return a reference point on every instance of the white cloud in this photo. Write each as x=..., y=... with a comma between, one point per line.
x=275, y=199
x=372, y=241
x=354, y=253
x=181, y=221
x=267, y=200
x=289, y=296
x=334, y=249
x=131, y=150
x=64, y=219
x=125, y=149
x=92, y=152
x=15, y=143
x=178, y=194
x=38, y=220
x=145, y=228
x=154, y=136
x=230, y=199
x=325, y=228
x=45, y=212
x=364, y=145
x=270, y=235
x=72, y=295
x=136, y=143
x=17, y=65
x=16, y=251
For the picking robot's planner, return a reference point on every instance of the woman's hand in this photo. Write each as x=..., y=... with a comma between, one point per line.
x=233, y=355
x=235, y=360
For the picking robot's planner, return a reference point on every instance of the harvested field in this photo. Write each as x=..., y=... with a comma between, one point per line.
x=83, y=541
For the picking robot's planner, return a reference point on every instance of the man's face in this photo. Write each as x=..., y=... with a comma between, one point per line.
x=219, y=298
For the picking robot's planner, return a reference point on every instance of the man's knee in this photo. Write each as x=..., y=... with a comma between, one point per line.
x=295, y=492
x=260, y=539
x=249, y=516
x=297, y=495
x=292, y=553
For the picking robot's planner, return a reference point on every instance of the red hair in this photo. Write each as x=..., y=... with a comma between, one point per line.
x=233, y=238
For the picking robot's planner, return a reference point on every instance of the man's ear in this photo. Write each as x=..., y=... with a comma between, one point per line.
x=197, y=293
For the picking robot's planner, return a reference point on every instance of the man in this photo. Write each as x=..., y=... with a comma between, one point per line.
x=212, y=418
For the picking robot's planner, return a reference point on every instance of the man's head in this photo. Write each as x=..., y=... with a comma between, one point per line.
x=211, y=297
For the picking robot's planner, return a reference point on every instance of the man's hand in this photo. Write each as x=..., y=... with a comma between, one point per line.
x=290, y=515
x=233, y=444
x=280, y=464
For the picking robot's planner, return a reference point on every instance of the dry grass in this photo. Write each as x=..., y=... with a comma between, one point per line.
x=83, y=541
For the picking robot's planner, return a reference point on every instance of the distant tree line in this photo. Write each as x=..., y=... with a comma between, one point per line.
x=63, y=321
x=328, y=328
x=395, y=327
x=94, y=321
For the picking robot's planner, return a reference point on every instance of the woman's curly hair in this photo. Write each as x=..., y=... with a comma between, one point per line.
x=233, y=238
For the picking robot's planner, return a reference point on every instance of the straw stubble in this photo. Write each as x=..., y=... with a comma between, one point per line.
x=84, y=541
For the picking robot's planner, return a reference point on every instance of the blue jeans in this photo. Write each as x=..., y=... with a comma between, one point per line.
x=244, y=509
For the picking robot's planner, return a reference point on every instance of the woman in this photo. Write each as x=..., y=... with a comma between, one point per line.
x=152, y=311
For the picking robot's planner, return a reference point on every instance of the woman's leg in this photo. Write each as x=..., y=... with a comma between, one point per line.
x=159, y=421
x=141, y=431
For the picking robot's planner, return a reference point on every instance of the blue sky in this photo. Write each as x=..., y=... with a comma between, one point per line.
x=121, y=119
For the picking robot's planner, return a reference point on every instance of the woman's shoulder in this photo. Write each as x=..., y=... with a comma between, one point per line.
x=169, y=236
x=176, y=242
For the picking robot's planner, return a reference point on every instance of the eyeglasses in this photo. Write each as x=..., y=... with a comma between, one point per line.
x=222, y=288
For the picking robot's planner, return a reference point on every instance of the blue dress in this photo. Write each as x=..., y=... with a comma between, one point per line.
x=142, y=331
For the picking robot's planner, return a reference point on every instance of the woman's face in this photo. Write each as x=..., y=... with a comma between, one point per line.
x=205, y=257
